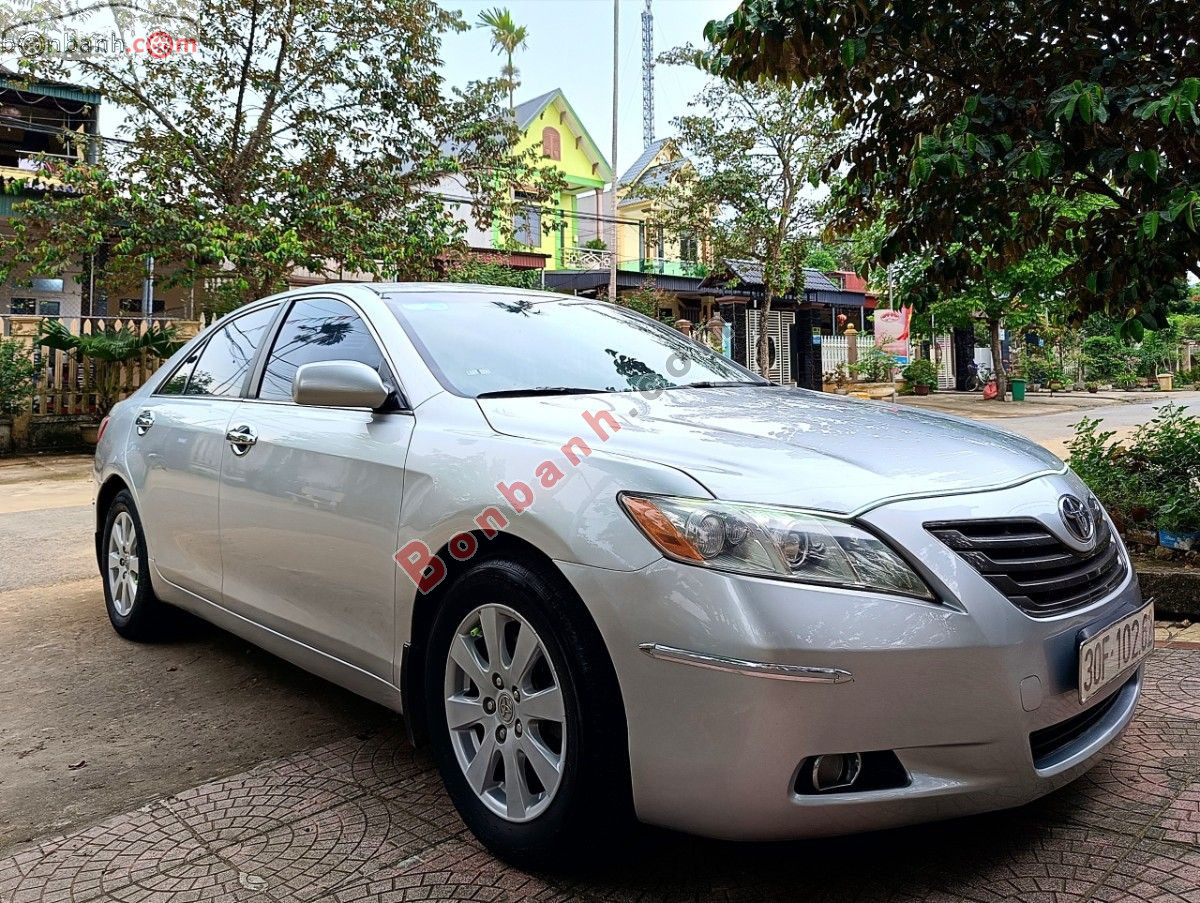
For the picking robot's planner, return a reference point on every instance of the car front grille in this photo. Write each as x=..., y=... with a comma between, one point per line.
x=1039, y=573
x=1047, y=742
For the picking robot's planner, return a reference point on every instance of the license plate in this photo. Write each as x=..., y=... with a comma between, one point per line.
x=1107, y=655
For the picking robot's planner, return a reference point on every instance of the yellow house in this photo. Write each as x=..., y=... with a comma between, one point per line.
x=643, y=246
x=550, y=125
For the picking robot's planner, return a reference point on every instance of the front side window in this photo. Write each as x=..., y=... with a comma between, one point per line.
x=480, y=344
x=226, y=359
x=319, y=329
x=551, y=143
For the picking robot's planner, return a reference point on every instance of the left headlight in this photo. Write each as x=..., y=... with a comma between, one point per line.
x=762, y=541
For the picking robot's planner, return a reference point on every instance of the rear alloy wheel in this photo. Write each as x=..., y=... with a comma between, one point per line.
x=504, y=711
x=133, y=609
x=123, y=568
x=525, y=717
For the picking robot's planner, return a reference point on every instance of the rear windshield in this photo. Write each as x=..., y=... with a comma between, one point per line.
x=479, y=344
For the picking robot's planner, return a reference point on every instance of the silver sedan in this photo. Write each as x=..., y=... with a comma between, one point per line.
x=610, y=575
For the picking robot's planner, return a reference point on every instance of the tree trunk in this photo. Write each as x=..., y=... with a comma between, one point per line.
x=997, y=361
x=764, y=345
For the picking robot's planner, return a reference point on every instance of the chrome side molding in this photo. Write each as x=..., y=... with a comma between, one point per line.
x=769, y=670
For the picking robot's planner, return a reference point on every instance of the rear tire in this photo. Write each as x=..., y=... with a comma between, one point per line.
x=537, y=765
x=134, y=610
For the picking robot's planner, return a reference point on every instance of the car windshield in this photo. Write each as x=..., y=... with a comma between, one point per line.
x=504, y=344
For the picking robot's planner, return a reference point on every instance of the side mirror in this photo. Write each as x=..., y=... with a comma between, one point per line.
x=338, y=384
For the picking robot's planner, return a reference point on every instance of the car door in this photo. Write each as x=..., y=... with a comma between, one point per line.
x=175, y=458
x=310, y=500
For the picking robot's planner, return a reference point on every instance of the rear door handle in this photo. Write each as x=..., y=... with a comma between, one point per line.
x=241, y=438
x=143, y=422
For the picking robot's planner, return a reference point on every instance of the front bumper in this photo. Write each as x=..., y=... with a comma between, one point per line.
x=954, y=689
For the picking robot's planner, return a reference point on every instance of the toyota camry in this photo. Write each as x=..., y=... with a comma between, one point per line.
x=610, y=575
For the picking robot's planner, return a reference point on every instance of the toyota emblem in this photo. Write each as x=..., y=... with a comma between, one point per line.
x=1078, y=518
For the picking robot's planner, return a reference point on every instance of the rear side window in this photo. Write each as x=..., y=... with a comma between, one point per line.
x=226, y=358
x=177, y=381
x=319, y=329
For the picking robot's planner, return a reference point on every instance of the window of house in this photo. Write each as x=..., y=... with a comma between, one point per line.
x=527, y=222
x=49, y=308
x=689, y=248
x=133, y=306
x=551, y=143
x=39, y=284
x=319, y=329
x=226, y=358
x=23, y=305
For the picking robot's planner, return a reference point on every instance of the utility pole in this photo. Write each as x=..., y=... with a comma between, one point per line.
x=612, y=195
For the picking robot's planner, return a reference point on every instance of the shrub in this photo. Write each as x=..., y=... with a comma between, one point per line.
x=921, y=372
x=1103, y=357
x=1150, y=479
x=16, y=376
x=874, y=366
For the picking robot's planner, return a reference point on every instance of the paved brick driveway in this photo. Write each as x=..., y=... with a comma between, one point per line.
x=365, y=819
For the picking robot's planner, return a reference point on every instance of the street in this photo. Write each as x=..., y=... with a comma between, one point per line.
x=205, y=769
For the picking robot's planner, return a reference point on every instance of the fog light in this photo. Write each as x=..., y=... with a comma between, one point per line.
x=835, y=772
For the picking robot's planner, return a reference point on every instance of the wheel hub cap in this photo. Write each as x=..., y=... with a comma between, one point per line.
x=515, y=772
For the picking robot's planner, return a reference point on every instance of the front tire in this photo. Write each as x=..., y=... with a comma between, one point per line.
x=133, y=609
x=525, y=718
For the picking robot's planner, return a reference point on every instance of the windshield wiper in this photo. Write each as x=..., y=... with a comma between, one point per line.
x=539, y=390
x=720, y=384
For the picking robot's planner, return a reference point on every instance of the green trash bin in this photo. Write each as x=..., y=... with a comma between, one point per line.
x=1018, y=389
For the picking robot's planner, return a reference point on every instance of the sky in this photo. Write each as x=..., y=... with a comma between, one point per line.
x=570, y=47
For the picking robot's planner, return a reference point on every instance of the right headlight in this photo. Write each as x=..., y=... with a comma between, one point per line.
x=764, y=541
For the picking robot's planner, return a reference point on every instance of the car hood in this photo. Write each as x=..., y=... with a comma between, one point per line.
x=785, y=446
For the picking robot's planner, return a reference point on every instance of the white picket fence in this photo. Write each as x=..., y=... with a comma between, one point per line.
x=835, y=349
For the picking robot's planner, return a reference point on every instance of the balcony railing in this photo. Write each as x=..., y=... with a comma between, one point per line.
x=586, y=259
x=595, y=259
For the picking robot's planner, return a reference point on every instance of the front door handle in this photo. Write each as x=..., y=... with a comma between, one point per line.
x=143, y=422
x=241, y=438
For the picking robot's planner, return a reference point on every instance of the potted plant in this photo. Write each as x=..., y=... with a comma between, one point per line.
x=922, y=375
x=1093, y=387
x=108, y=349
x=16, y=386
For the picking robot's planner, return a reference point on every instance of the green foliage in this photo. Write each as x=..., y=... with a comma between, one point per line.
x=874, y=365
x=596, y=244
x=16, y=376
x=471, y=269
x=1186, y=325
x=298, y=135
x=1149, y=479
x=754, y=149
x=820, y=258
x=1104, y=358
x=1104, y=105
x=109, y=348
x=648, y=300
x=922, y=372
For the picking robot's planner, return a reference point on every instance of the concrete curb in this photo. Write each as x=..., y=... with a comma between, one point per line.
x=1176, y=591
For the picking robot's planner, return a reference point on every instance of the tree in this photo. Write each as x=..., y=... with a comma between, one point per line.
x=299, y=134
x=507, y=37
x=963, y=111
x=754, y=150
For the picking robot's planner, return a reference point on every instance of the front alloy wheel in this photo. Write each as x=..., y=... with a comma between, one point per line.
x=504, y=709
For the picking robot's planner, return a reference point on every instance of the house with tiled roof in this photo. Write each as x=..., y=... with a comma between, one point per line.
x=44, y=126
x=642, y=244
x=544, y=233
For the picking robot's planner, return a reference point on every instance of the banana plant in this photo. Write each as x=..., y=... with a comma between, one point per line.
x=108, y=348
